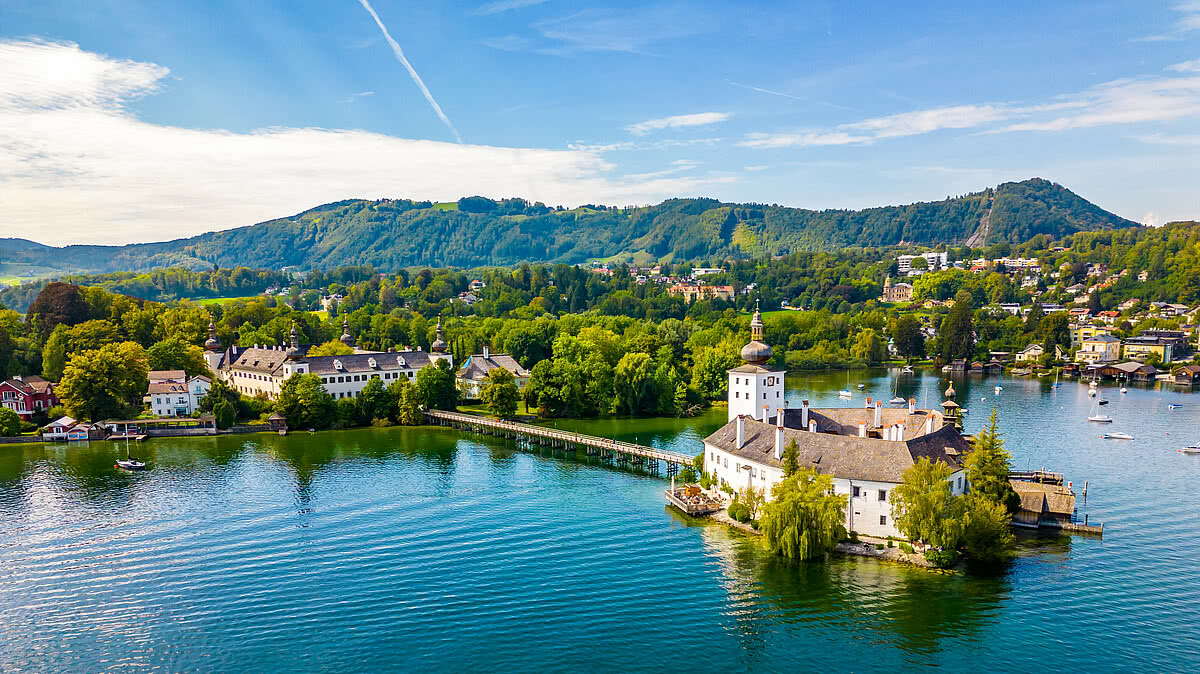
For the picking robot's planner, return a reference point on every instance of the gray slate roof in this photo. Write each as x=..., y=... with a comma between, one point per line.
x=845, y=456
x=477, y=366
x=361, y=362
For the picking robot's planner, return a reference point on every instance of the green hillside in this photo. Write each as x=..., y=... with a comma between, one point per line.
x=475, y=231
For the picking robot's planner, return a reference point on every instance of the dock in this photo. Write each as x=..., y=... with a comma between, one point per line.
x=692, y=500
x=615, y=452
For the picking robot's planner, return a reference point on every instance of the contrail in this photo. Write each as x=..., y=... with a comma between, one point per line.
x=416, y=78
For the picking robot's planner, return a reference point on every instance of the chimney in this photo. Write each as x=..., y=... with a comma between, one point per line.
x=862, y=430
x=868, y=403
x=486, y=355
x=804, y=414
x=741, y=430
x=764, y=416
x=779, y=443
x=779, y=417
x=812, y=426
x=912, y=405
x=928, y=426
x=878, y=414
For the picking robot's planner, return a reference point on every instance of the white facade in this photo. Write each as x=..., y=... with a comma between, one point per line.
x=751, y=391
x=177, y=398
x=869, y=503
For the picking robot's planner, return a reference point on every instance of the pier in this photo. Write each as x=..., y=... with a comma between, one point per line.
x=615, y=452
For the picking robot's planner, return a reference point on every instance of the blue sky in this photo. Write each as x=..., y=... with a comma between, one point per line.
x=124, y=120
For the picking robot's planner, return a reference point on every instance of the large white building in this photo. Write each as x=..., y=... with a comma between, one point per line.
x=865, y=450
x=262, y=370
x=935, y=262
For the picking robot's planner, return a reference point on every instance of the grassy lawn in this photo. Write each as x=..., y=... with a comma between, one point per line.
x=446, y=206
x=481, y=409
x=221, y=300
x=322, y=314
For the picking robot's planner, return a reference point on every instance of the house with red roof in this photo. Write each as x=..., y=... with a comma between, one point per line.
x=27, y=395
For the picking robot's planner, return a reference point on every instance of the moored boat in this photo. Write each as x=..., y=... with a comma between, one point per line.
x=1191, y=449
x=1117, y=435
x=130, y=464
x=1100, y=418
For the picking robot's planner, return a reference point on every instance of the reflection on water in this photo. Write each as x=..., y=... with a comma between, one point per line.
x=425, y=549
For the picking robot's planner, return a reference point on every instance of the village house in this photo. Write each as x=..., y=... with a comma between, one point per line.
x=1033, y=353
x=1130, y=371
x=57, y=429
x=865, y=450
x=330, y=302
x=1098, y=349
x=896, y=292
x=1082, y=332
x=1128, y=304
x=262, y=370
x=171, y=393
x=476, y=285
x=1145, y=346
x=27, y=396
x=475, y=368
x=1187, y=375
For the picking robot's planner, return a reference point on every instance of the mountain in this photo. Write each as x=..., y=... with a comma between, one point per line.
x=477, y=231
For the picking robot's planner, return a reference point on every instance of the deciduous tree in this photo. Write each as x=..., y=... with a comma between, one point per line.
x=805, y=518
x=104, y=383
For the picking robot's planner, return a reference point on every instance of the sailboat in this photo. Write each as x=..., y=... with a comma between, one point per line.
x=845, y=393
x=907, y=369
x=1099, y=418
x=129, y=463
x=998, y=388
x=1056, y=371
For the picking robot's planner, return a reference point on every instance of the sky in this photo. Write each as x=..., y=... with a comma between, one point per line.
x=132, y=120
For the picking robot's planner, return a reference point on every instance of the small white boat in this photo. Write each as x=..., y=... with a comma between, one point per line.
x=1174, y=406
x=947, y=368
x=1117, y=435
x=907, y=369
x=1092, y=384
x=998, y=389
x=1191, y=449
x=1124, y=390
x=1092, y=392
x=130, y=464
x=845, y=394
x=1100, y=418
x=897, y=401
x=862, y=386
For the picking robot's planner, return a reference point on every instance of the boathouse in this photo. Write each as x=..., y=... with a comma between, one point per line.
x=1187, y=375
x=1043, y=505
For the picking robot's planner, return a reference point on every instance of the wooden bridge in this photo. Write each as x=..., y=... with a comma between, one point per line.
x=613, y=451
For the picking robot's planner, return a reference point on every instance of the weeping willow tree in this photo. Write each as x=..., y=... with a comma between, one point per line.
x=805, y=518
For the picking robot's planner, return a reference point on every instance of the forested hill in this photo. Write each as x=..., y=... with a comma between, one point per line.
x=475, y=231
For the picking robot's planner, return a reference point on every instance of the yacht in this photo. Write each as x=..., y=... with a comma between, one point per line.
x=1191, y=449
x=1117, y=435
x=1100, y=418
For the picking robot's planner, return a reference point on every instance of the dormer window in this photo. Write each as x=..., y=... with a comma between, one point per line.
x=337, y=365
x=400, y=361
x=371, y=362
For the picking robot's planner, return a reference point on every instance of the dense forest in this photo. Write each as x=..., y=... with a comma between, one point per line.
x=394, y=233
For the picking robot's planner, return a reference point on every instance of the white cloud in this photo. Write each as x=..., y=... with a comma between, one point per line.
x=77, y=167
x=1125, y=102
x=1129, y=101
x=1190, y=21
x=504, y=6
x=631, y=145
x=678, y=121
x=630, y=30
x=1192, y=66
x=362, y=94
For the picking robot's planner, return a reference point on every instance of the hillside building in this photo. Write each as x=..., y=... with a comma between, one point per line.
x=896, y=292
x=471, y=377
x=27, y=396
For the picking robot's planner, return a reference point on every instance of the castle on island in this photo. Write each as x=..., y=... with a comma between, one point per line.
x=864, y=449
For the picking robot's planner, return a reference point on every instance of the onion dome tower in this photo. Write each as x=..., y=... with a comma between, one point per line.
x=346, y=338
x=755, y=388
x=439, y=344
x=756, y=352
x=293, y=351
x=212, y=343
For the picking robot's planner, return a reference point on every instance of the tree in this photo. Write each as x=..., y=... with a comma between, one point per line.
x=1056, y=331
x=224, y=414
x=176, y=354
x=791, y=461
x=753, y=498
x=1034, y=318
x=907, y=337
x=923, y=507
x=408, y=405
x=1094, y=303
x=104, y=383
x=805, y=518
x=988, y=535
x=436, y=387
x=710, y=372
x=374, y=401
x=57, y=303
x=868, y=347
x=333, y=347
x=54, y=354
x=500, y=393
x=10, y=423
x=919, y=263
x=305, y=403
x=957, y=333
x=634, y=386
x=988, y=465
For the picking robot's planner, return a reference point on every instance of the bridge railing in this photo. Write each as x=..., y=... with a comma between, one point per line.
x=556, y=434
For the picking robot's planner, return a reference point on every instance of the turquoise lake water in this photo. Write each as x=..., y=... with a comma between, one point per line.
x=424, y=550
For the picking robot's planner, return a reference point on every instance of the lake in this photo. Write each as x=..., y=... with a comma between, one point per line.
x=421, y=549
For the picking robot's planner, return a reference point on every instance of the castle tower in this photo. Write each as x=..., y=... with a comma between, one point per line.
x=439, y=346
x=213, y=354
x=346, y=338
x=755, y=383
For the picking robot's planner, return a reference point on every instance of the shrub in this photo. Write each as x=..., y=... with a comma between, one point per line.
x=853, y=536
x=879, y=546
x=754, y=524
x=941, y=558
x=739, y=512
x=906, y=548
x=891, y=543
